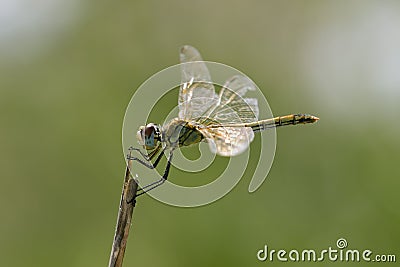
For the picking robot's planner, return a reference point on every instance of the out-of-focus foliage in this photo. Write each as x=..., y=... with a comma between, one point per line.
x=67, y=72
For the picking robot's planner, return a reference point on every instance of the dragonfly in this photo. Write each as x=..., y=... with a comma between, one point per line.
x=227, y=120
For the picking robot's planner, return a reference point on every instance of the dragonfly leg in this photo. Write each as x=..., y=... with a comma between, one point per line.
x=151, y=186
x=147, y=157
x=156, y=184
x=148, y=165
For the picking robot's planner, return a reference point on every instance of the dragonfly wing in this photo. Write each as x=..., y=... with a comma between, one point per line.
x=228, y=141
x=197, y=93
x=231, y=108
x=240, y=85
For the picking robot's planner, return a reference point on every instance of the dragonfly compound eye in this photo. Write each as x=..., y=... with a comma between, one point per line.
x=149, y=136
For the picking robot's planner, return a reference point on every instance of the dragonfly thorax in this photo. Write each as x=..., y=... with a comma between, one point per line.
x=177, y=133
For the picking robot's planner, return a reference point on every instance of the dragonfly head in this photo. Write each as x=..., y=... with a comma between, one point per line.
x=149, y=136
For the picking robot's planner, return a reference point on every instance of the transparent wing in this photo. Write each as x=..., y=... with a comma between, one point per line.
x=196, y=94
x=228, y=141
x=231, y=108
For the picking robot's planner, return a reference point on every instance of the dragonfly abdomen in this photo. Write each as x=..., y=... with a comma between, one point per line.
x=292, y=119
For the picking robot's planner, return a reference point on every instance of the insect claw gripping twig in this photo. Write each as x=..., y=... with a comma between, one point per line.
x=132, y=201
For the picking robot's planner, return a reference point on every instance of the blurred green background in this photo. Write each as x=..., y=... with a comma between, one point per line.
x=69, y=68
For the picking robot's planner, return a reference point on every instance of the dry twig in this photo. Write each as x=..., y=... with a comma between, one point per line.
x=124, y=219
